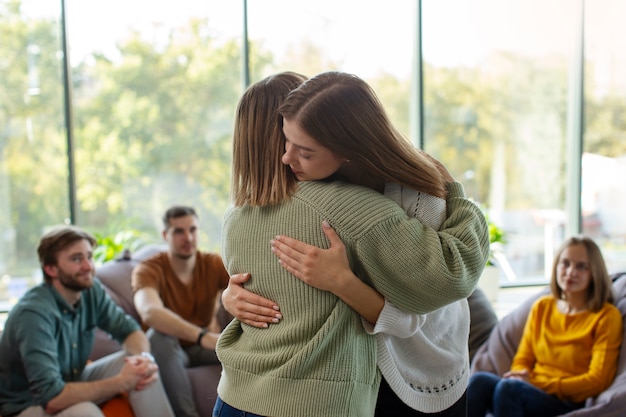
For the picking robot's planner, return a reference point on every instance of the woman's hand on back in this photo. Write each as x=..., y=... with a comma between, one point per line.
x=247, y=306
x=325, y=269
x=329, y=270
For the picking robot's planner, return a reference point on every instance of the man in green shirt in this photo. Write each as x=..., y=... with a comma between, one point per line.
x=50, y=332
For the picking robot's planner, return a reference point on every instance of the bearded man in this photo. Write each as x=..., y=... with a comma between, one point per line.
x=49, y=335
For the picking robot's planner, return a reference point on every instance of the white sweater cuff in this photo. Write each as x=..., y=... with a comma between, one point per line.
x=395, y=322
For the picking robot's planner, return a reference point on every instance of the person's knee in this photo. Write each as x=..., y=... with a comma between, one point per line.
x=161, y=343
x=481, y=381
x=507, y=388
x=159, y=337
x=483, y=375
x=478, y=377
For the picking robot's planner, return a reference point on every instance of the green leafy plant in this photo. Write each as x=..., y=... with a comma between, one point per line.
x=497, y=238
x=113, y=246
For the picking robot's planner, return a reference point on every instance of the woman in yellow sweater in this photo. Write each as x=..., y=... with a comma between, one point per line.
x=570, y=345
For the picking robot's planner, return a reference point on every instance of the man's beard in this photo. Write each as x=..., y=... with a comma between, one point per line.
x=185, y=256
x=71, y=283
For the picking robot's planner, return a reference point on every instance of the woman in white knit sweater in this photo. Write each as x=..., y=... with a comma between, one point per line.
x=424, y=358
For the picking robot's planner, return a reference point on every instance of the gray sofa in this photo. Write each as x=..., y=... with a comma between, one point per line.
x=496, y=355
x=115, y=276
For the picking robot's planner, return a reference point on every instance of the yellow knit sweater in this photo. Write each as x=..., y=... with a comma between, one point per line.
x=571, y=356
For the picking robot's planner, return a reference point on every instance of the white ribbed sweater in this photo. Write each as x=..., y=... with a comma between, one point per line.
x=424, y=358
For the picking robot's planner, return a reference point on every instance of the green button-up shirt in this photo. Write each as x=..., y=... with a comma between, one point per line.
x=46, y=342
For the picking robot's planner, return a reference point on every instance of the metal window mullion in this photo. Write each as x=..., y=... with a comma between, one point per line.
x=575, y=127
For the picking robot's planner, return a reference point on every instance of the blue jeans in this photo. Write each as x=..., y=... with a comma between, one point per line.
x=222, y=409
x=511, y=398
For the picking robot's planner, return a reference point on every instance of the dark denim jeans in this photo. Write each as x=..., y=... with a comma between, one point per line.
x=222, y=409
x=511, y=398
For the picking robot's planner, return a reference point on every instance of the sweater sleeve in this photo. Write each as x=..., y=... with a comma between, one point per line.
x=395, y=322
x=525, y=356
x=419, y=269
x=38, y=350
x=431, y=211
x=147, y=273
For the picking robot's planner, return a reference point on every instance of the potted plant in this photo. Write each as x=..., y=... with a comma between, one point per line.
x=489, y=281
x=496, y=240
x=120, y=244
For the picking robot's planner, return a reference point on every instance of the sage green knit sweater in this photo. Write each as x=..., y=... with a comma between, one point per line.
x=318, y=361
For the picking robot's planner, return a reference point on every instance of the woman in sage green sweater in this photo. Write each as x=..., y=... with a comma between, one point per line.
x=319, y=361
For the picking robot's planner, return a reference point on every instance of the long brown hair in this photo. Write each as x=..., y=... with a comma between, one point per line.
x=259, y=177
x=600, y=288
x=342, y=113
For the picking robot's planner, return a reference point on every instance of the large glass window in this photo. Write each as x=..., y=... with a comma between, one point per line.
x=33, y=152
x=495, y=99
x=374, y=40
x=154, y=88
x=153, y=92
x=604, y=158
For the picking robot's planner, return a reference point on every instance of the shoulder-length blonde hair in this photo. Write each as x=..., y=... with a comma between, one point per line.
x=259, y=177
x=600, y=288
x=342, y=113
